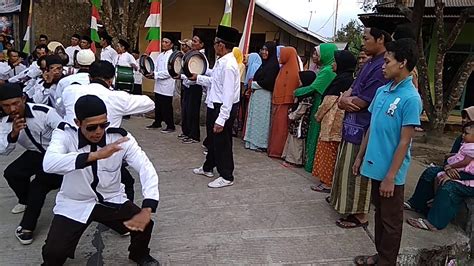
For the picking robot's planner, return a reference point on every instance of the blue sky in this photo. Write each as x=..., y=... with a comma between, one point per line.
x=322, y=19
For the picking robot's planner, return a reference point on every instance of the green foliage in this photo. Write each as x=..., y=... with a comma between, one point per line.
x=351, y=33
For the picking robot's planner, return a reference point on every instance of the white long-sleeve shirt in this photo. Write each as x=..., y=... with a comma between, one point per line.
x=4, y=70
x=108, y=54
x=119, y=103
x=164, y=83
x=81, y=78
x=41, y=120
x=45, y=93
x=87, y=184
x=17, y=70
x=70, y=50
x=224, y=86
x=125, y=59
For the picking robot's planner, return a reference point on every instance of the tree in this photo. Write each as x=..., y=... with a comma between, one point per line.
x=349, y=32
x=439, y=101
x=122, y=18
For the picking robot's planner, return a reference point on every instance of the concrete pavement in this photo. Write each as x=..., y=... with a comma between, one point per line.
x=269, y=216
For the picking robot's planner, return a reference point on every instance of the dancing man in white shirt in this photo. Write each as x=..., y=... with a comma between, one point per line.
x=90, y=158
x=119, y=104
x=222, y=105
x=30, y=126
x=164, y=88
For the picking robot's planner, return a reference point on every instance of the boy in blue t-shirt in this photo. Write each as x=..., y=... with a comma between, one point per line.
x=384, y=155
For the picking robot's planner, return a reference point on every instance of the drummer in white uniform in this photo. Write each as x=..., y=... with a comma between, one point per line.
x=164, y=88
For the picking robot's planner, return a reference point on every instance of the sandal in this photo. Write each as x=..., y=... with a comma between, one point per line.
x=328, y=199
x=364, y=260
x=421, y=223
x=407, y=206
x=320, y=188
x=353, y=220
x=289, y=165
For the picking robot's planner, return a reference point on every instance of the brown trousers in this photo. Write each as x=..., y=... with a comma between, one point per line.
x=388, y=224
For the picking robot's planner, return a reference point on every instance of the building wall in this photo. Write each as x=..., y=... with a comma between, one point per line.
x=186, y=15
x=59, y=19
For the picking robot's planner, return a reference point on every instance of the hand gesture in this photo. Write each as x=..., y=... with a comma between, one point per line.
x=443, y=179
x=218, y=128
x=111, y=148
x=356, y=166
x=386, y=188
x=351, y=106
x=150, y=76
x=139, y=221
x=48, y=77
x=18, y=125
x=453, y=173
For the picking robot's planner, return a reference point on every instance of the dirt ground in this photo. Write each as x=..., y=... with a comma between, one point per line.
x=428, y=153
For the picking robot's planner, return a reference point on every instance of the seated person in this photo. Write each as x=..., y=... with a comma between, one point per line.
x=440, y=207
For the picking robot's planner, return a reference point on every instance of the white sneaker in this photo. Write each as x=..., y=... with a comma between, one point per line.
x=19, y=208
x=220, y=182
x=200, y=171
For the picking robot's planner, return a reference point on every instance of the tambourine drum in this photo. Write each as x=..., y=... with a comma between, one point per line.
x=124, y=78
x=194, y=63
x=146, y=65
x=175, y=63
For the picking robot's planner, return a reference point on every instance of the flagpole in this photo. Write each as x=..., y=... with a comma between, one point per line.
x=247, y=33
x=335, y=20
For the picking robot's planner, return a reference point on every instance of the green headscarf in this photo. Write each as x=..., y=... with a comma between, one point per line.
x=325, y=75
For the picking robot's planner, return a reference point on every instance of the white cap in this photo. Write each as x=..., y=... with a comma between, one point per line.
x=85, y=57
x=53, y=45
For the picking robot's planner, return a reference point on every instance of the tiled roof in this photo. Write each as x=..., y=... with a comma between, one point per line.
x=428, y=3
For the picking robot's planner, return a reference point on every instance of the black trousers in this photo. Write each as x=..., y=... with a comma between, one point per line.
x=388, y=223
x=164, y=110
x=192, y=108
x=64, y=233
x=137, y=89
x=128, y=181
x=184, y=110
x=20, y=171
x=220, y=144
x=32, y=194
x=39, y=188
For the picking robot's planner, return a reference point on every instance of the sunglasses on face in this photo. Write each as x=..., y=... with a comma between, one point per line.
x=94, y=127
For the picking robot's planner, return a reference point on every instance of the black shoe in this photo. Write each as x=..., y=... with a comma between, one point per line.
x=153, y=126
x=167, y=130
x=182, y=136
x=147, y=261
x=24, y=237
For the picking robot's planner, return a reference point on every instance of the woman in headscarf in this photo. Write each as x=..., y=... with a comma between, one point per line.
x=254, y=61
x=286, y=83
x=258, y=119
x=330, y=116
x=293, y=153
x=317, y=89
x=239, y=57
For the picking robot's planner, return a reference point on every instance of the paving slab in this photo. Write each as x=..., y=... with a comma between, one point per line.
x=269, y=216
